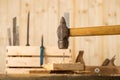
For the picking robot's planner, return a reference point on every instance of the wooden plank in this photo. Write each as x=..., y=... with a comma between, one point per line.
x=72, y=23
x=23, y=62
x=49, y=60
x=95, y=31
x=111, y=43
x=22, y=50
x=64, y=66
x=33, y=61
x=94, y=44
x=52, y=17
x=35, y=51
x=22, y=70
x=80, y=19
x=39, y=11
x=74, y=66
x=118, y=37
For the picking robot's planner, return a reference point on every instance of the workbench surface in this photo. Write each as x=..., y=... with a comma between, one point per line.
x=59, y=77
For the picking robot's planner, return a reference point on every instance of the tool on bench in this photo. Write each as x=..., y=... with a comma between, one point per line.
x=80, y=59
x=109, y=62
x=64, y=33
x=41, y=52
x=28, y=30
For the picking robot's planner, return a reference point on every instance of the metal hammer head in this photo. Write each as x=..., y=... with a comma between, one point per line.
x=63, y=34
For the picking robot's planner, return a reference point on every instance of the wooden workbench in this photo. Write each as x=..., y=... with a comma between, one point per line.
x=58, y=77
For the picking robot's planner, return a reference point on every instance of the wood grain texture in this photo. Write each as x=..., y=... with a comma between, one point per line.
x=110, y=42
x=65, y=66
x=27, y=58
x=35, y=51
x=45, y=16
x=33, y=61
x=3, y=33
x=95, y=31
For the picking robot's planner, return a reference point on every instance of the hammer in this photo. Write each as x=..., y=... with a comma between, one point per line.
x=63, y=32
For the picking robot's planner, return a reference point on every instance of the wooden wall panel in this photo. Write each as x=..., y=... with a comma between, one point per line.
x=44, y=19
x=3, y=33
x=110, y=42
x=25, y=6
x=118, y=38
x=81, y=20
x=52, y=20
x=95, y=18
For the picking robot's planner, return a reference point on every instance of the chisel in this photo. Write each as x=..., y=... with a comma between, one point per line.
x=41, y=52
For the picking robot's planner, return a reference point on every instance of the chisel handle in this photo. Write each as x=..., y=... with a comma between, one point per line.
x=41, y=55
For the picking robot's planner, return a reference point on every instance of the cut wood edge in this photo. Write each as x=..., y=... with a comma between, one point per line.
x=64, y=66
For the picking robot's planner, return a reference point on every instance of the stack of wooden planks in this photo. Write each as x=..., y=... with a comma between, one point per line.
x=23, y=59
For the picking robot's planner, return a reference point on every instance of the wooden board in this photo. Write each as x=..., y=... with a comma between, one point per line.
x=22, y=70
x=32, y=61
x=35, y=51
x=64, y=66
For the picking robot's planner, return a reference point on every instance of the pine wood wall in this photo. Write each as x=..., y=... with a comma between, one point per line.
x=44, y=19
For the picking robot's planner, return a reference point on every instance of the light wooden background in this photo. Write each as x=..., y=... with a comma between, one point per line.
x=44, y=19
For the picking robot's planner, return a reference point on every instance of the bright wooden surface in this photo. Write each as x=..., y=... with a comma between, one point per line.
x=45, y=17
x=64, y=66
x=35, y=51
x=26, y=58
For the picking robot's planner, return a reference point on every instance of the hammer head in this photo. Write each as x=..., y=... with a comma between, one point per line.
x=63, y=34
